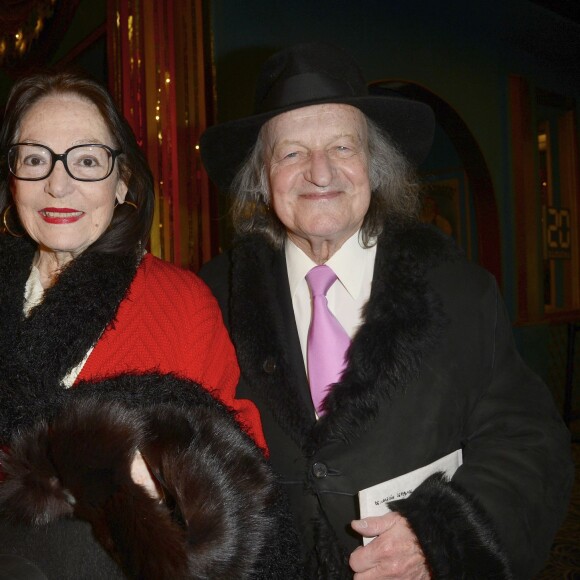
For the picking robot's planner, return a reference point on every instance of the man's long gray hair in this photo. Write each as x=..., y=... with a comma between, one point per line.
x=395, y=190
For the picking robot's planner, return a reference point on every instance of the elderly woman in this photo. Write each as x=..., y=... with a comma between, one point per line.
x=106, y=357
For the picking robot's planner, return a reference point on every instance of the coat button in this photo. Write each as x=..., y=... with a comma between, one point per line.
x=319, y=470
x=269, y=365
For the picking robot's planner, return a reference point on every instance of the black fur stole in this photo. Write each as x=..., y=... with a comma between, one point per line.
x=37, y=351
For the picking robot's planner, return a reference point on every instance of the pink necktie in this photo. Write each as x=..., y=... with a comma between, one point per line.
x=327, y=339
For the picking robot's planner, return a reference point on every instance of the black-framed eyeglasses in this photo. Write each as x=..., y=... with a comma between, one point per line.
x=87, y=162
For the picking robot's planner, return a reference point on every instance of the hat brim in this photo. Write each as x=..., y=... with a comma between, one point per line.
x=410, y=124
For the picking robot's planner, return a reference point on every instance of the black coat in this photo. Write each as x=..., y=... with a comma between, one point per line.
x=432, y=369
x=68, y=502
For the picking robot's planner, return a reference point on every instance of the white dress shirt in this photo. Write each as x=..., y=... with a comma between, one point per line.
x=354, y=266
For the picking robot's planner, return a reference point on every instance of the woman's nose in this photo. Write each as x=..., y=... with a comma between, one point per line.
x=59, y=183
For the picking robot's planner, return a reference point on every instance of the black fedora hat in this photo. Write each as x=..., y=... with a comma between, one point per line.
x=311, y=74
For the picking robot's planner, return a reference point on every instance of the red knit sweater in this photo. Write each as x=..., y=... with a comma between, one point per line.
x=170, y=322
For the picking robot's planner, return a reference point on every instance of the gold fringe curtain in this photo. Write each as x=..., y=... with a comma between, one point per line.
x=157, y=72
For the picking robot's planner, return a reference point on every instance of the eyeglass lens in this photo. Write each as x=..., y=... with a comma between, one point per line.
x=89, y=162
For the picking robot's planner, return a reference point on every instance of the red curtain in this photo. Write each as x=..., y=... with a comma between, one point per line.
x=157, y=72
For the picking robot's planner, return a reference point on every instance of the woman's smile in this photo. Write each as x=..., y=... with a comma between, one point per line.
x=62, y=215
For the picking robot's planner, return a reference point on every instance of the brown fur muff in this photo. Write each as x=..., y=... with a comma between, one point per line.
x=219, y=495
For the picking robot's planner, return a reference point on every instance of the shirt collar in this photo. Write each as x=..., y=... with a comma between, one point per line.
x=349, y=263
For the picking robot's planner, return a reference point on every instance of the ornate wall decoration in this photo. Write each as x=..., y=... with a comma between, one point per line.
x=30, y=31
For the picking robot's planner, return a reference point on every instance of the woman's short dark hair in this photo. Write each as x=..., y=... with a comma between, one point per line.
x=130, y=227
x=394, y=190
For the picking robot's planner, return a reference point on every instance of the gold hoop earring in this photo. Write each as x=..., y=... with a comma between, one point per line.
x=133, y=205
x=5, y=222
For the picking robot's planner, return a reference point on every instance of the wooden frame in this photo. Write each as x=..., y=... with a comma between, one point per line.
x=446, y=204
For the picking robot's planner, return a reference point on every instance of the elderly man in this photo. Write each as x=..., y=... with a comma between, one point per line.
x=371, y=346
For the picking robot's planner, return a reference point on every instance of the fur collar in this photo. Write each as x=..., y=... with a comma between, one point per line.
x=39, y=350
x=402, y=321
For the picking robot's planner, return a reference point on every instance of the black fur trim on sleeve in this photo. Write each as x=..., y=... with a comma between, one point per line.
x=455, y=535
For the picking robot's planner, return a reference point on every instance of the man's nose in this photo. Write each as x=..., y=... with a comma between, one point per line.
x=320, y=169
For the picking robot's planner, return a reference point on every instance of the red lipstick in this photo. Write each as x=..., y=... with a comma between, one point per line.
x=60, y=215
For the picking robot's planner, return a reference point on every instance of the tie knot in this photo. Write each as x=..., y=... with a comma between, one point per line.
x=320, y=279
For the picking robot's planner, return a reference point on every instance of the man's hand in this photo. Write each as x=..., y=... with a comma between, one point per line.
x=394, y=553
